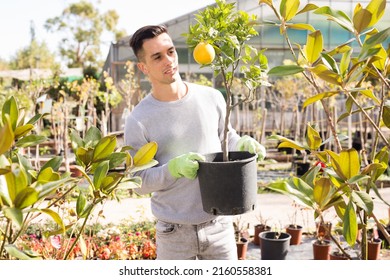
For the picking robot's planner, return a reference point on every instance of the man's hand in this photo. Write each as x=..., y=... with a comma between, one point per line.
x=247, y=143
x=185, y=165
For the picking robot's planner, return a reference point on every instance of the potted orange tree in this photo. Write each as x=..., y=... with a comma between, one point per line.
x=220, y=40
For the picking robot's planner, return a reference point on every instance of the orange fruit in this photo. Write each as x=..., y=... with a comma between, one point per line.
x=204, y=53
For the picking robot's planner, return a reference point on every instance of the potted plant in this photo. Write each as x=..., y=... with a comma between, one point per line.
x=242, y=237
x=321, y=249
x=348, y=177
x=222, y=33
x=294, y=229
x=259, y=228
x=274, y=245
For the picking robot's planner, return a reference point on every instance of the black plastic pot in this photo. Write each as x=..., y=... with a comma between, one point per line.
x=228, y=188
x=274, y=245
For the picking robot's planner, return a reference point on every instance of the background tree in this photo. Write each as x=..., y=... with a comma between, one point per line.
x=83, y=27
x=36, y=55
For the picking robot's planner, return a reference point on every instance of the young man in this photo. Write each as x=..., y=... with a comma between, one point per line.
x=186, y=120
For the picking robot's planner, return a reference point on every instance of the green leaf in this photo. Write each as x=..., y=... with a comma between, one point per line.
x=368, y=93
x=23, y=130
x=26, y=198
x=285, y=70
x=30, y=140
x=361, y=18
x=345, y=61
x=325, y=74
x=330, y=62
x=343, y=116
x=13, y=251
x=308, y=7
x=358, y=178
x=48, y=175
x=301, y=26
x=100, y=173
x=287, y=188
x=104, y=148
x=10, y=108
x=350, y=224
x=363, y=200
x=55, y=216
x=145, y=154
x=373, y=41
x=75, y=140
x=92, y=137
x=116, y=159
x=377, y=9
x=319, y=97
x=337, y=16
x=313, y=138
x=288, y=9
x=386, y=116
x=110, y=182
x=80, y=204
x=84, y=155
x=350, y=162
x=14, y=214
x=288, y=143
x=144, y=166
x=321, y=191
x=54, y=163
x=314, y=46
x=36, y=118
x=49, y=188
x=6, y=136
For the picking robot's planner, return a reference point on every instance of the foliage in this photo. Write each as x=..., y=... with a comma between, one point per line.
x=87, y=25
x=228, y=31
x=24, y=189
x=36, y=55
x=343, y=72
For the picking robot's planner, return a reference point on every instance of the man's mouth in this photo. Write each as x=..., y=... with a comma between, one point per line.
x=170, y=70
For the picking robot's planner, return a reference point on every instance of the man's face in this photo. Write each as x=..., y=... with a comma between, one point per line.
x=159, y=60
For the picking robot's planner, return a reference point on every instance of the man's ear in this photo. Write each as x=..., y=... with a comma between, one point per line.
x=142, y=67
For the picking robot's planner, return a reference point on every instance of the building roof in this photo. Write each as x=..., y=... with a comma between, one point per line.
x=36, y=74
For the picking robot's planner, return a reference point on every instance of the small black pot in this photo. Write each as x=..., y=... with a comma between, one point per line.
x=228, y=188
x=274, y=245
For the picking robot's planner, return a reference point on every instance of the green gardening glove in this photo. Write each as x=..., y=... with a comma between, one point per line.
x=185, y=165
x=248, y=144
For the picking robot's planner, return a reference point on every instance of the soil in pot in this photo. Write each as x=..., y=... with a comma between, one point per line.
x=259, y=228
x=274, y=245
x=321, y=249
x=228, y=188
x=296, y=234
x=337, y=255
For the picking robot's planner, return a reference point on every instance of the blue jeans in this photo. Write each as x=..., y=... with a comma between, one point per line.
x=213, y=240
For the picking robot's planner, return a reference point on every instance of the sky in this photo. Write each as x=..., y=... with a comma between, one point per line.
x=18, y=15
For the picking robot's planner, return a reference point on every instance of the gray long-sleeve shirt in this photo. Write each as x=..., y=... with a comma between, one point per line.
x=192, y=124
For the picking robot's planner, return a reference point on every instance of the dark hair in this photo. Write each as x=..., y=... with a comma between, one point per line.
x=144, y=33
